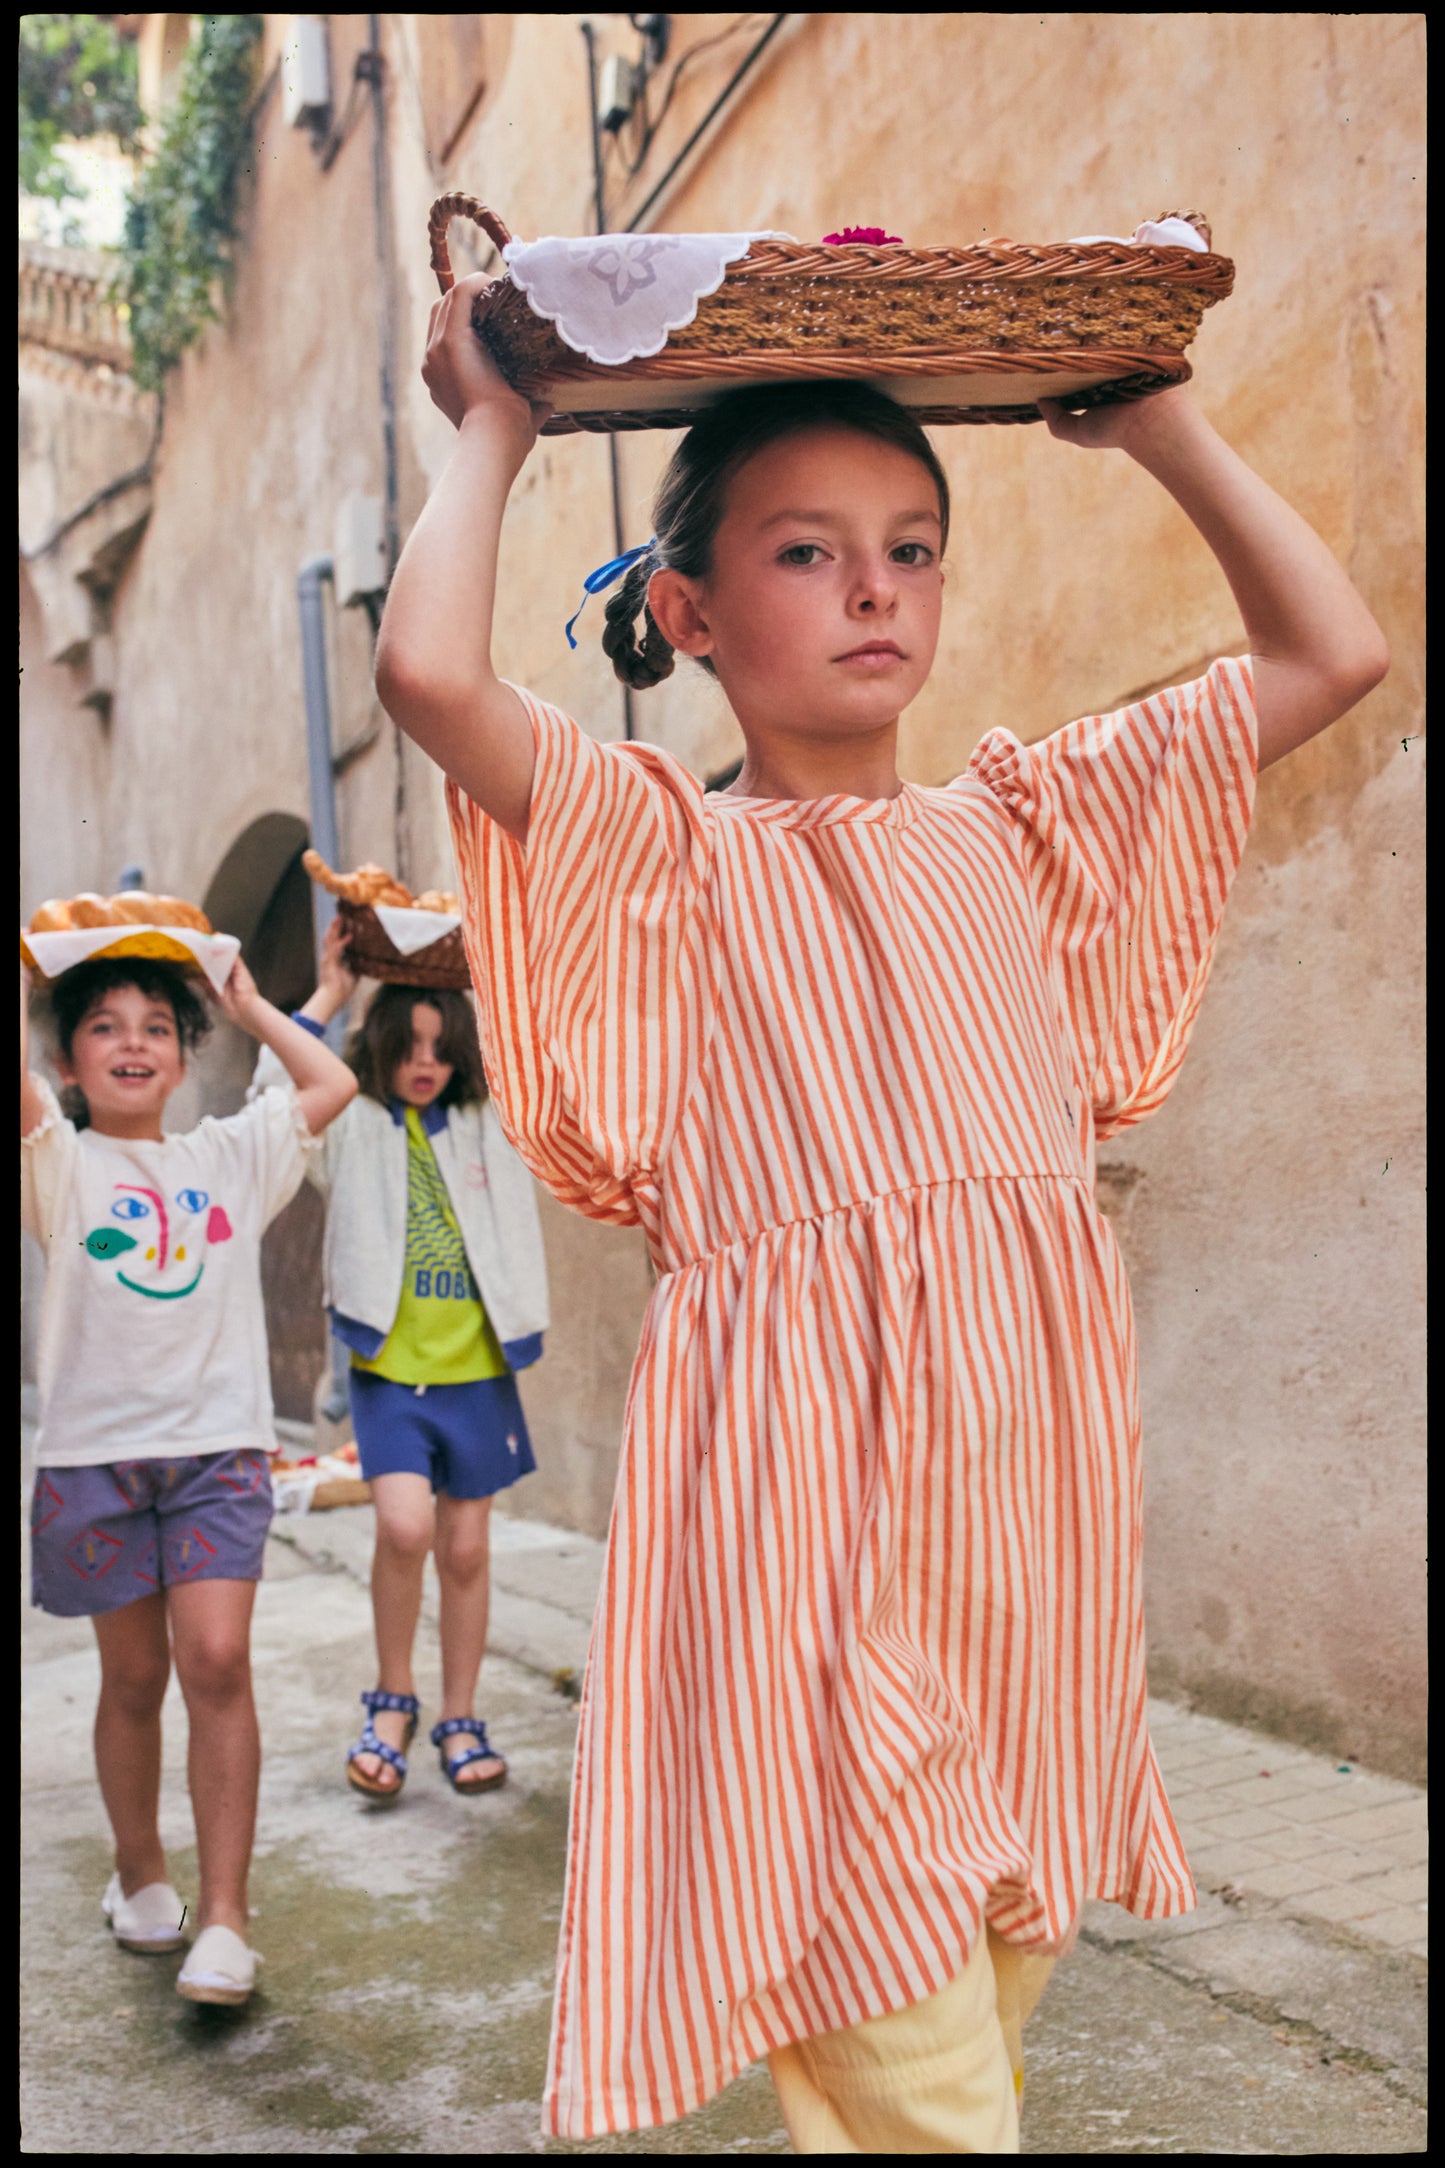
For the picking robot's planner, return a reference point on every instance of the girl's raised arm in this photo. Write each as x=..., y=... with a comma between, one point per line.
x=324, y=1084
x=335, y=979
x=434, y=670
x=32, y=1106
x=1315, y=647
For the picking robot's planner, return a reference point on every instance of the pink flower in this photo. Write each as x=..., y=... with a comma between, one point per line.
x=872, y=236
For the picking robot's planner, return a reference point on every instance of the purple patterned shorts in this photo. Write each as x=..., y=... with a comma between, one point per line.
x=104, y=1537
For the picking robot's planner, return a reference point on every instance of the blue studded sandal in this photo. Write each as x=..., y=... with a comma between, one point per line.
x=372, y=1788
x=452, y=1770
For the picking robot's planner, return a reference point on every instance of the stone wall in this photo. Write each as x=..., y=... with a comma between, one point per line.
x=1271, y=1214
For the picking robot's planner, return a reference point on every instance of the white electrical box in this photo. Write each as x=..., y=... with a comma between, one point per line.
x=306, y=72
x=359, y=556
x=616, y=93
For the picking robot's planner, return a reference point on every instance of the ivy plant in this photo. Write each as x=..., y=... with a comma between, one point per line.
x=76, y=81
x=183, y=216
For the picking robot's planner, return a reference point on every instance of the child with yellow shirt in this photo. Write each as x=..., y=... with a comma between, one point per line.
x=435, y=1279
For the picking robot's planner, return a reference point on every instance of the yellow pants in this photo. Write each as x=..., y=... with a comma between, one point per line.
x=943, y=2076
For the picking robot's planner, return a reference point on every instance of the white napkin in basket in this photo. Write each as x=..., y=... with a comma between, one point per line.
x=615, y=296
x=409, y=931
x=52, y=953
x=1154, y=233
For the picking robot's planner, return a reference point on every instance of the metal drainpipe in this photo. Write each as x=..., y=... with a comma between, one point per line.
x=311, y=582
x=375, y=74
x=381, y=243
x=313, y=578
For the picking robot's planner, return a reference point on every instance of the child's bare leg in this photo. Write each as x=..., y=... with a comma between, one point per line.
x=463, y=1549
x=405, y=1527
x=135, y=1669
x=211, y=1634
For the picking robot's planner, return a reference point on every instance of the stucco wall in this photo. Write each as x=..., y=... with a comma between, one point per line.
x=1271, y=1214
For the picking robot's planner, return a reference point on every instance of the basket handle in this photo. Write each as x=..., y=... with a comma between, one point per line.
x=443, y=211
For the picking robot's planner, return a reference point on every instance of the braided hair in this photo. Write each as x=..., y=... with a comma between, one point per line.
x=692, y=496
x=645, y=665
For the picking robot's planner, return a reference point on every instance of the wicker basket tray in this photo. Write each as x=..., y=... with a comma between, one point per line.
x=956, y=334
x=302, y=1488
x=341, y=1490
x=372, y=954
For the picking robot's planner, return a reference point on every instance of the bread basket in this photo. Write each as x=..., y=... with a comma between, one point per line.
x=975, y=334
x=372, y=954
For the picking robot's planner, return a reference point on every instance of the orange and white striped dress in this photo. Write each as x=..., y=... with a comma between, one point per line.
x=868, y=1661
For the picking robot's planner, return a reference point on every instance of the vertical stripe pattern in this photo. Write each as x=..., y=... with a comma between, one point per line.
x=868, y=1664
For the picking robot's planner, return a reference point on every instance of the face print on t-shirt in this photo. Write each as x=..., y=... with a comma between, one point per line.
x=158, y=1245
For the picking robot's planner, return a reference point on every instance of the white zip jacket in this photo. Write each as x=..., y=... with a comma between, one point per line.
x=361, y=1169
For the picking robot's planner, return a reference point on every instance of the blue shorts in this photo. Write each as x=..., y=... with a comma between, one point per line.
x=469, y=1441
x=102, y=1537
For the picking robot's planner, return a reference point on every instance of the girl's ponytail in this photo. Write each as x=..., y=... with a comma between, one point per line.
x=638, y=666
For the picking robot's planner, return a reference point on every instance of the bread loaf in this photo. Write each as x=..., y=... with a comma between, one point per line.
x=322, y=874
x=171, y=911
x=367, y=887
x=52, y=917
x=89, y=910
x=132, y=907
x=136, y=906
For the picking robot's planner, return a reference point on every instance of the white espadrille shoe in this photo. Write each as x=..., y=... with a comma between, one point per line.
x=149, y=1922
x=220, y=1968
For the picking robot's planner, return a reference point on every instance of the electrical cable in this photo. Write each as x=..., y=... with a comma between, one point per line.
x=749, y=61
x=331, y=145
x=145, y=472
x=680, y=65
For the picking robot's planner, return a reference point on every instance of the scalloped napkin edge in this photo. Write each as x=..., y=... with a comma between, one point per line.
x=615, y=296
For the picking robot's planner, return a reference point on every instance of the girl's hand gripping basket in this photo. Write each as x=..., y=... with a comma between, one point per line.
x=974, y=334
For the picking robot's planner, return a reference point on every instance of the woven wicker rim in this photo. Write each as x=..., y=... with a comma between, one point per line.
x=1000, y=276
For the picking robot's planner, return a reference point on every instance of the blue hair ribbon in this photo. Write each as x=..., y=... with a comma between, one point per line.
x=605, y=575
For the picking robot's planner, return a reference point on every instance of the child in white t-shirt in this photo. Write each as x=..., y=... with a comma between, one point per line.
x=152, y=1490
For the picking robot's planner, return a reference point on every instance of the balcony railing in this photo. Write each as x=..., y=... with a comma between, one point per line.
x=70, y=302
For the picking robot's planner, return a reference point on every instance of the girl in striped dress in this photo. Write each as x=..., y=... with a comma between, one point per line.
x=864, y=1725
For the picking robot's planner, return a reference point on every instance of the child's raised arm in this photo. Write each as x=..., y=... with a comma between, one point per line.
x=324, y=1084
x=32, y=1106
x=1315, y=647
x=335, y=979
x=434, y=669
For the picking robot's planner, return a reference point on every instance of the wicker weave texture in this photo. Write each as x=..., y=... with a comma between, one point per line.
x=1110, y=310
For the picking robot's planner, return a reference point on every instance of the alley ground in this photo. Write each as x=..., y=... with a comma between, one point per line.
x=405, y=1998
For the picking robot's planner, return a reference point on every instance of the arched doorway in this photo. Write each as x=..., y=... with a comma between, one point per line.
x=260, y=892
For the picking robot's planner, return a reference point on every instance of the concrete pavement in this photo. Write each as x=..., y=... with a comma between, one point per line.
x=405, y=1999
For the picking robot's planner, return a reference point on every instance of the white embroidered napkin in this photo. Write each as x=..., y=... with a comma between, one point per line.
x=616, y=296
